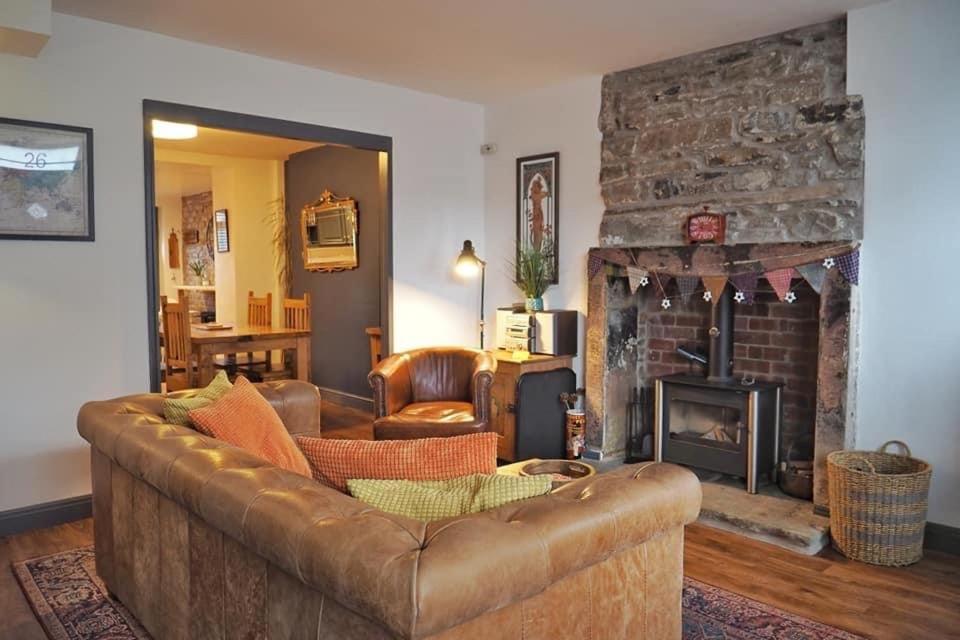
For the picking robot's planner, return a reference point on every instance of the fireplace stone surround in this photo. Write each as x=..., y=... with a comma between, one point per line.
x=763, y=132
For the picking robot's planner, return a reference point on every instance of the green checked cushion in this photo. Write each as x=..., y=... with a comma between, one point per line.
x=177, y=410
x=429, y=500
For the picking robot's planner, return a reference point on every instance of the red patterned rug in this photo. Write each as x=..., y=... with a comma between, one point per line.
x=72, y=603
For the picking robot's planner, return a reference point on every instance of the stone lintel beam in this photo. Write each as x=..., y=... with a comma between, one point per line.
x=724, y=260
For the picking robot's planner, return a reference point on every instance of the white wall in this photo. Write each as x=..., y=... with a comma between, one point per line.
x=73, y=342
x=903, y=57
x=561, y=118
x=170, y=216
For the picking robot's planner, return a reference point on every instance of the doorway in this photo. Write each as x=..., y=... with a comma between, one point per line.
x=189, y=181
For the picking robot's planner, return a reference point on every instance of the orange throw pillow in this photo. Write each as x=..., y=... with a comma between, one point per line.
x=336, y=461
x=246, y=420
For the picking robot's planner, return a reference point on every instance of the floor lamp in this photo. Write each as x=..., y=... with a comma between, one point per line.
x=468, y=266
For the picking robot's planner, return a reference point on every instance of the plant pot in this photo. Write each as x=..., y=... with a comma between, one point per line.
x=534, y=304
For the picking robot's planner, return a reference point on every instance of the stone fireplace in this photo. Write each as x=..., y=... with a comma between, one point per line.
x=764, y=132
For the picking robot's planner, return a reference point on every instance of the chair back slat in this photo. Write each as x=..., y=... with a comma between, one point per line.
x=260, y=310
x=176, y=332
x=296, y=313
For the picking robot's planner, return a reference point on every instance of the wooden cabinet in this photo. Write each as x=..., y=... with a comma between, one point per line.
x=504, y=395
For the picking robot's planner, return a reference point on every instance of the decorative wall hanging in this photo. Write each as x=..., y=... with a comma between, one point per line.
x=173, y=250
x=46, y=181
x=779, y=265
x=328, y=231
x=705, y=227
x=221, y=231
x=538, y=206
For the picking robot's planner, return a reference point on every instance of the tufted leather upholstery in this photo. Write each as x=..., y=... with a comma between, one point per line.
x=203, y=540
x=436, y=392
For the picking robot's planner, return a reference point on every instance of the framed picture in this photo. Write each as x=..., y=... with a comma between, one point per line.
x=46, y=181
x=222, y=231
x=538, y=202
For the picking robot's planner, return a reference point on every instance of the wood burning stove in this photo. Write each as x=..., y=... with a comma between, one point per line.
x=714, y=422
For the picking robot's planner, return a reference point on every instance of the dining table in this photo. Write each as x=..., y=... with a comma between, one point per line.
x=208, y=342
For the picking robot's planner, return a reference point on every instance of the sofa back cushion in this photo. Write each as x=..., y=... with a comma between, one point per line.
x=436, y=499
x=441, y=374
x=243, y=418
x=336, y=461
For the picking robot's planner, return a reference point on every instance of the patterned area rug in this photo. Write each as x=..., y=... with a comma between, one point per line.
x=72, y=603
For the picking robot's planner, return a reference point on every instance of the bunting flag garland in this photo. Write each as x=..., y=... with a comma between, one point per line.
x=662, y=280
x=780, y=279
x=813, y=273
x=746, y=284
x=715, y=286
x=687, y=285
x=636, y=276
x=594, y=265
x=850, y=266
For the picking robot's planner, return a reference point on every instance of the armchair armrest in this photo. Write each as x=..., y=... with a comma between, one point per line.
x=392, y=387
x=485, y=366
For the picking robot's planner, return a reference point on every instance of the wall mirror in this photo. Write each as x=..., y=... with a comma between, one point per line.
x=328, y=228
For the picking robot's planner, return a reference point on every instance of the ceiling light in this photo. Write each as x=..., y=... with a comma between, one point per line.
x=173, y=130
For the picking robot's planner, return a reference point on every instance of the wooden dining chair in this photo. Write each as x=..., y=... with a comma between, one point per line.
x=177, y=349
x=259, y=314
x=295, y=315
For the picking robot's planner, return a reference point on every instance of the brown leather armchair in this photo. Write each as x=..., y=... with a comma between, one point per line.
x=430, y=393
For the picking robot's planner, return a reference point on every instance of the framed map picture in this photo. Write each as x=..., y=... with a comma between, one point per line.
x=46, y=181
x=538, y=201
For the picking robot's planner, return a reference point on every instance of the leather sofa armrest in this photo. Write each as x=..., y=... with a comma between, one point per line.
x=297, y=403
x=550, y=537
x=392, y=387
x=485, y=366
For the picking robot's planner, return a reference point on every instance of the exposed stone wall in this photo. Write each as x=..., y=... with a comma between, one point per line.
x=761, y=130
x=197, y=214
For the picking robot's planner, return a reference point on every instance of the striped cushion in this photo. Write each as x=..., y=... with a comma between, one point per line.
x=176, y=410
x=334, y=461
x=245, y=419
x=433, y=500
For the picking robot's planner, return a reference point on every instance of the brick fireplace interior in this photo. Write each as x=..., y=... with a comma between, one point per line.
x=773, y=341
x=762, y=132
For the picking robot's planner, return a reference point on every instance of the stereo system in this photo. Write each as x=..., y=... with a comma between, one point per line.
x=548, y=332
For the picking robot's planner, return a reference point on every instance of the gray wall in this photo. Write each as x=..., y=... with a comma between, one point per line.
x=346, y=302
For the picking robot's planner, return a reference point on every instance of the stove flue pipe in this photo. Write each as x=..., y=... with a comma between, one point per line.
x=720, y=367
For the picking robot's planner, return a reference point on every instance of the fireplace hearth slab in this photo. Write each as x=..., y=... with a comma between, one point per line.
x=775, y=519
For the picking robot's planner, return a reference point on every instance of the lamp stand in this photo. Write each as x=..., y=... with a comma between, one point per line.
x=483, y=278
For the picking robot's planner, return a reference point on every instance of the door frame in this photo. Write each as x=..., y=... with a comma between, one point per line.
x=217, y=119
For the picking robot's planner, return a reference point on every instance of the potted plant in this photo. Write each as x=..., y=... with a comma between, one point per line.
x=533, y=276
x=199, y=268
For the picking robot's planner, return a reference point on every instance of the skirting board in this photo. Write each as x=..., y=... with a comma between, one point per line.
x=345, y=399
x=48, y=514
x=941, y=537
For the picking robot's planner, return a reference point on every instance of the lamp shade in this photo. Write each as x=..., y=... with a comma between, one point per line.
x=468, y=264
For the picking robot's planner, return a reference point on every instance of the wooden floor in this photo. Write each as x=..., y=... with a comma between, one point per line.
x=921, y=602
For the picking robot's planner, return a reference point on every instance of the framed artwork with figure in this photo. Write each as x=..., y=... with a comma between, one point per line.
x=538, y=206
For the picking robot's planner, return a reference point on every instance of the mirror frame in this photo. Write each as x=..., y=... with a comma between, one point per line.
x=327, y=202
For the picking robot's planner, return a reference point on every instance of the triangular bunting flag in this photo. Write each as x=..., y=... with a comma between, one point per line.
x=662, y=280
x=687, y=285
x=850, y=266
x=594, y=265
x=635, y=275
x=813, y=273
x=746, y=286
x=715, y=285
x=780, y=281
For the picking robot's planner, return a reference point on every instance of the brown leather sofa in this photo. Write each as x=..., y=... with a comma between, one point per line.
x=203, y=540
x=429, y=393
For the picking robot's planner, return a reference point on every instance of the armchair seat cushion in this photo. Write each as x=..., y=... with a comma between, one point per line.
x=429, y=420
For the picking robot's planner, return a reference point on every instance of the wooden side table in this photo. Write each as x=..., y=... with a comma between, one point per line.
x=504, y=395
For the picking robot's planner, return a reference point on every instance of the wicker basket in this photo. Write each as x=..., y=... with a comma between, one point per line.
x=878, y=505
